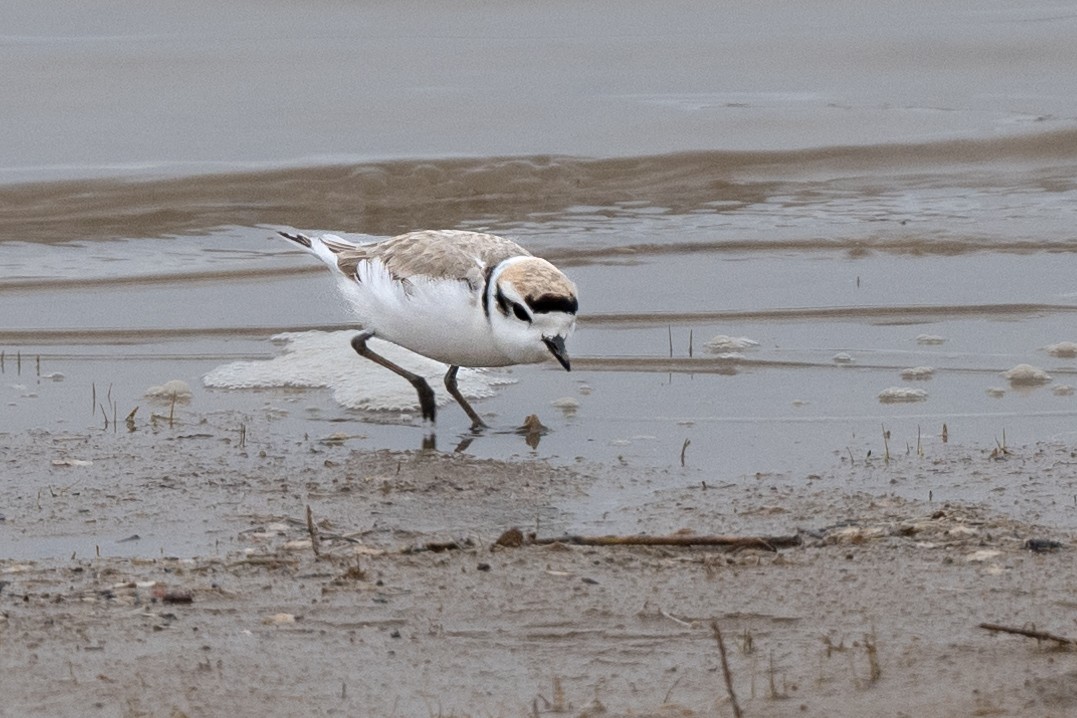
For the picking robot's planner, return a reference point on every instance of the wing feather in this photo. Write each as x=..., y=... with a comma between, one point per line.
x=443, y=254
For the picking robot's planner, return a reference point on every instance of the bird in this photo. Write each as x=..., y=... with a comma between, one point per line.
x=466, y=299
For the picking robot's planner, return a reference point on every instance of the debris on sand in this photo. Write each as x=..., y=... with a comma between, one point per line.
x=72, y=462
x=1029, y=633
x=930, y=339
x=532, y=430
x=175, y=595
x=1038, y=545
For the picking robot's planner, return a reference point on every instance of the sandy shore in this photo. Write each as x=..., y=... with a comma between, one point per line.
x=875, y=612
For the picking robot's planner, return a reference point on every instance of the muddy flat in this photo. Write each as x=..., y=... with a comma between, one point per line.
x=397, y=599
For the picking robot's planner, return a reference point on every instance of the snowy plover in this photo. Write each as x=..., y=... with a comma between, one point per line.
x=462, y=298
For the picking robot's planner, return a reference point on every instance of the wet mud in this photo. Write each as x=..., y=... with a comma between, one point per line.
x=393, y=596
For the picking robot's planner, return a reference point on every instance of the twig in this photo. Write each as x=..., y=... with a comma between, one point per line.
x=439, y=546
x=315, y=540
x=514, y=538
x=767, y=543
x=673, y=618
x=270, y=561
x=1038, y=635
x=558, y=696
x=665, y=701
x=725, y=669
x=872, y=649
x=772, y=681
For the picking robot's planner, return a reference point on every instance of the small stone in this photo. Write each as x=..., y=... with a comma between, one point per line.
x=1042, y=545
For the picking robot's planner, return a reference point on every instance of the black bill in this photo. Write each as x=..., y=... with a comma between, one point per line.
x=556, y=345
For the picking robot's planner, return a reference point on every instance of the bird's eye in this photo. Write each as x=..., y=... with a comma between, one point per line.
x=520, y=312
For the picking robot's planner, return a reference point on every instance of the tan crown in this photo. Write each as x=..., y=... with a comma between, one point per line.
x=534, y=277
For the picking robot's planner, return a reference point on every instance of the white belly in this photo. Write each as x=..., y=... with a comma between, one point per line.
x=441, y=320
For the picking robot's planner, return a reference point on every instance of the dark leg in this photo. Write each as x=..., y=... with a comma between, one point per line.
x=450, y=384
x=426, y=394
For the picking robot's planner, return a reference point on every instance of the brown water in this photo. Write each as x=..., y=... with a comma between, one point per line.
x=824, y=179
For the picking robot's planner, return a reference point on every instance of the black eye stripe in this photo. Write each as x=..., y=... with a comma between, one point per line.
x=553, y=303
x=541, y=305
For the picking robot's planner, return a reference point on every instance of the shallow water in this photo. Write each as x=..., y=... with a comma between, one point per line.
x=151, y=87
x=656, y=284
x=911, y=170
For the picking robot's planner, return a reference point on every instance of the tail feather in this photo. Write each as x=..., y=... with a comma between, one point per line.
x=300, y=239
x=326, y=247
x=332, y=242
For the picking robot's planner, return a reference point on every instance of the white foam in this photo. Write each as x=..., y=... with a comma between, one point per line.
x=326, y=359
x=930, y=339
x=174, y=389
x=1027, y=374
x=901, y=393
x=1062, y=350
x=723, y=343
x=1063, y=390
x=917, y=373
x=843, y=358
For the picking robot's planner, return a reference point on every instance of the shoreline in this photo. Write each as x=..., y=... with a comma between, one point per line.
x=879, y=605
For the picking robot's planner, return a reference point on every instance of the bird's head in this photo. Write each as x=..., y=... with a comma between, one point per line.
x=532, y=308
